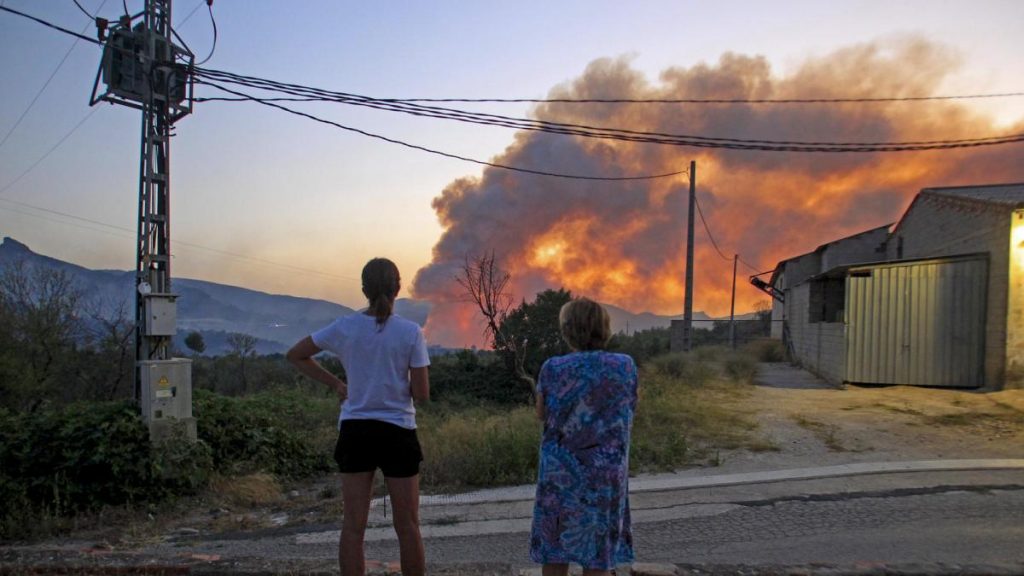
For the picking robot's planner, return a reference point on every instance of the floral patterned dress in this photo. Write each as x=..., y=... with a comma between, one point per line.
x=581, y=514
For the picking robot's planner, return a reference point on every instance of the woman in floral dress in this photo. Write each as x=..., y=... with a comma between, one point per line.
x=586, y=400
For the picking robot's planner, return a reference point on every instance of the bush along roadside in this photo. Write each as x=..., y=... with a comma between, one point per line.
x=59, y=463
x=56, y=463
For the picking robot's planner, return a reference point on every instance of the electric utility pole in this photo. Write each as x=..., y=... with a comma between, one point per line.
x=688, y=296
x=732, y=304
x=143, y=68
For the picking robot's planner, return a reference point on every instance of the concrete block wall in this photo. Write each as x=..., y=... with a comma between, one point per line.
x=935, y=226
x=820, y=346
x=1014, y=375
x=866, y=247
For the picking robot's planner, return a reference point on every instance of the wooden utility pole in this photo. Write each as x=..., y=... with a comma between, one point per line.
x=688, y=296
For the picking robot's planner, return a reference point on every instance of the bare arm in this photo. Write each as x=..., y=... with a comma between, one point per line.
x=301, y=356
x=419, y=383
x=541, y=412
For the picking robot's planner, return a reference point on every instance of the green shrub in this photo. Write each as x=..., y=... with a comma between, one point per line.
x=60, y=462
x=469, y=378
x=283, y=432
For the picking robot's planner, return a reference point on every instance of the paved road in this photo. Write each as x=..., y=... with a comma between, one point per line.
x=942, y=517
x=957, y=518
x=950, y=524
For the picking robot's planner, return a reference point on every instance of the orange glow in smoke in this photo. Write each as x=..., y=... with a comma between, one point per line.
x=624, y=243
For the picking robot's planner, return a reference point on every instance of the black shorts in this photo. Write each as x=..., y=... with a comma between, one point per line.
x=365, y=445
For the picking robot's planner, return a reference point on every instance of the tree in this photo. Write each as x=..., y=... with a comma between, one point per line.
x=536, y=325
x=486, y=286
x=112, y=337
x=195, y=342
x=243, y=346
x=39, y=332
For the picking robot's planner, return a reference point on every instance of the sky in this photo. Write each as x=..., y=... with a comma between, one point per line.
x=273, y=202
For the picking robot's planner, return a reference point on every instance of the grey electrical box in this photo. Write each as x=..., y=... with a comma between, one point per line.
x=161, y=314
x=166, y=396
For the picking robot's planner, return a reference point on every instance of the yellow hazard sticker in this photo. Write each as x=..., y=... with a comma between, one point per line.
x=164, y=382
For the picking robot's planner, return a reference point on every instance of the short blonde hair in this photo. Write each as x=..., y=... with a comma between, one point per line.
x=585, y=324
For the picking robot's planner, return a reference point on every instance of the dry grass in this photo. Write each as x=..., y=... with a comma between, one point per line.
x=823, y=431
x=257, y=489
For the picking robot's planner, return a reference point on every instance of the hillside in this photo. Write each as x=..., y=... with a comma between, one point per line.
x=277, y=320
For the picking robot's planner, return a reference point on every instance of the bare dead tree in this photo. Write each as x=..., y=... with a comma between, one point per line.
x=113, y=336
x=243, y=345
x=39, y=307
x=486, y=286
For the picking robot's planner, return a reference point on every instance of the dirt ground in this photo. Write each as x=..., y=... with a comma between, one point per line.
x=812, y=423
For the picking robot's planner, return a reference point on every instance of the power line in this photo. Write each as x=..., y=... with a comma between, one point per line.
x=712, y=238
x=447, y=154
x=840, y=100
x=609, y=133
x=51, y=25
x=187, y=17
x=205, y=75
x=48, y=152
x=705, y=100
x=84, y=11
x=708, y=230
x=235, y=255
x=45, y=84
x=753, y=268
x=213, y=21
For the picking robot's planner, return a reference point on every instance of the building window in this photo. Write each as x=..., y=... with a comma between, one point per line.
x=827, y=300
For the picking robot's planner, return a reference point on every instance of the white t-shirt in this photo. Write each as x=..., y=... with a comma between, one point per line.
x=377, y=362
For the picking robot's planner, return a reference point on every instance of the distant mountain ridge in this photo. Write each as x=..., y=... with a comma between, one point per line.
x=277, y=320
x=214, y=310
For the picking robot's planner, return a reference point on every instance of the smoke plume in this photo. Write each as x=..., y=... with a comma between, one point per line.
x=623, y=243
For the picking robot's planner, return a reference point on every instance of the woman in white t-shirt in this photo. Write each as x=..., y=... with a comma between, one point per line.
x=386, y=368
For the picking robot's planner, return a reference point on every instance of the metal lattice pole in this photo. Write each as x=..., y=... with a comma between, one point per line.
x=153, y=255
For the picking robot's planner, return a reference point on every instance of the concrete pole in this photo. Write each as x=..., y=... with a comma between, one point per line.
x=688, y=296
x=732, y=306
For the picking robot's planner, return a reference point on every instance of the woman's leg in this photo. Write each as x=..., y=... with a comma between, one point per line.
x=356, y=491
x=591, y=572
x=405, y=506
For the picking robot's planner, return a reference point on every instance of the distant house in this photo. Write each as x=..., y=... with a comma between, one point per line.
x=938, y=301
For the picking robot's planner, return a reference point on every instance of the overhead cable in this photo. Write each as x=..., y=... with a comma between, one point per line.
x=213, y=22
x=708, y=230
x=51, y=25
x=866, y=100
x=447, y=154
x=127, y=230
x=48, y=152
x=199, y=5
x=45, y=84
x=84, y=11
x=204, y=76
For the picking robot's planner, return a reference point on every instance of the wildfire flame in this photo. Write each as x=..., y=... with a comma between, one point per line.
x=623, y=243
